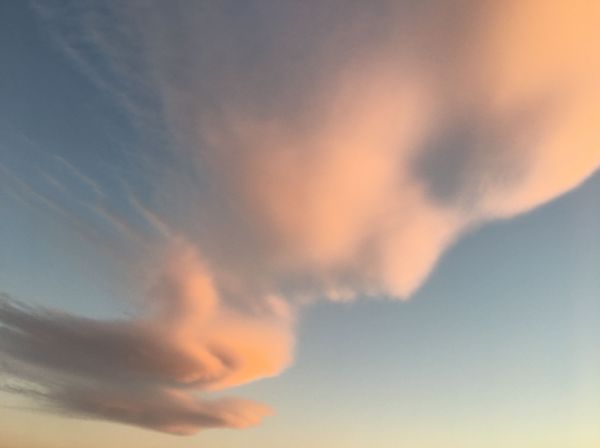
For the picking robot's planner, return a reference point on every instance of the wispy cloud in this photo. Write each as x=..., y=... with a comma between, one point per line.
x=328, y=151
x=146, y=371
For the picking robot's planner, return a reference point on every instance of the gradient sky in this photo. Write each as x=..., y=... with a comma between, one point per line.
x=134, y=147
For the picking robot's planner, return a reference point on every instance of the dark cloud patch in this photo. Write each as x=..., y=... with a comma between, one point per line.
x=129, y=371
x=120, y=350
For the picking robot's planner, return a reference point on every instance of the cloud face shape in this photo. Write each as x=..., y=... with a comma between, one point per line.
x=402, y=126
x=328, y=151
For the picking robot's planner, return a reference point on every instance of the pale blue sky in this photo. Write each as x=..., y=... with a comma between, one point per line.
x=499, y=347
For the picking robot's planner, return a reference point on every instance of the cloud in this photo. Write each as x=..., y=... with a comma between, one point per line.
x=314, y=152
x=543, y=54
x=148, y=371
x=347, y=151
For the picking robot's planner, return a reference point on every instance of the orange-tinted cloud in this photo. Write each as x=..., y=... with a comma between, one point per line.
x=545, y=52
x=149, y=371
x=350, y=172
x=318, y=151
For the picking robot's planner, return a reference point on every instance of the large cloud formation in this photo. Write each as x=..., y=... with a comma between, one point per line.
x=317, y=151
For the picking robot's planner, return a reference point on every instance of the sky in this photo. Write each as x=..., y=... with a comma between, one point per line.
x=291, y=224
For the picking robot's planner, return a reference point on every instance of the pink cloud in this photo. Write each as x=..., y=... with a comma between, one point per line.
x=320, y=152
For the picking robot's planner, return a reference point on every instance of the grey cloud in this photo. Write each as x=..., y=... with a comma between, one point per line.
x=129, y=371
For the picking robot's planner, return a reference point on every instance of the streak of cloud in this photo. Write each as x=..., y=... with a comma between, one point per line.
x=145, y=371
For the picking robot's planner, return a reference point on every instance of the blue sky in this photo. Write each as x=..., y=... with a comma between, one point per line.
x=498, y=343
